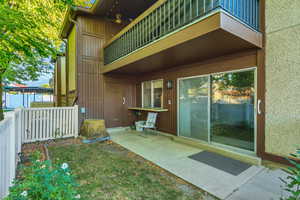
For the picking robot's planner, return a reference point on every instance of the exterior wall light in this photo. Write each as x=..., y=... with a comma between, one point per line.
x=169, y=84
x=118, y=19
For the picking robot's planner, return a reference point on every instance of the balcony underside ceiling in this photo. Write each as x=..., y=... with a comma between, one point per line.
x=216, y=35
x=109, y=9
x=128, y=8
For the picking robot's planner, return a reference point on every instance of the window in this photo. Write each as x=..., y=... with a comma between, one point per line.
x=152, y=94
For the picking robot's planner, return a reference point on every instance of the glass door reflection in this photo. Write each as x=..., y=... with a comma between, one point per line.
x=194, y=107
x=232, y=109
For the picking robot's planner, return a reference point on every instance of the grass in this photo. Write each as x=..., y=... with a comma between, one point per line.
x=108, y=171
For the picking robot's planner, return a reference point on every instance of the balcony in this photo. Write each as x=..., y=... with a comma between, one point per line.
x=174, y=32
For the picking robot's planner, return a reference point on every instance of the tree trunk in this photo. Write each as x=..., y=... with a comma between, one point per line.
x=1, y=102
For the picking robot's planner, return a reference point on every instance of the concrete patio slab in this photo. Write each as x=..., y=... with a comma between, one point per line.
x=173, y=157
x=265, y=185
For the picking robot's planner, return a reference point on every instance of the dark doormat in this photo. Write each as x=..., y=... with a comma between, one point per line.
x=223, y=163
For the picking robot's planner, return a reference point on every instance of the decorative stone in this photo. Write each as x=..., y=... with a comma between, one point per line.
x=93, y=128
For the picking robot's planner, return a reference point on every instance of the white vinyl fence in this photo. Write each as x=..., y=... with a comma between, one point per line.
x=42, y=124
x=10, y=146
x=30, y=125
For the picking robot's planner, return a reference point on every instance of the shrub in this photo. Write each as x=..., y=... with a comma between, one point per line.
x=292, y=184
x=41, y=180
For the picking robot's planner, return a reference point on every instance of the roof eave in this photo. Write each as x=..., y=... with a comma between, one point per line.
x=72, y=13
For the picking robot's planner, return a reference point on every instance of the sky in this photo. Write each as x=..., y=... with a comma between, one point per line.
x=42, y=80
x=15, y=100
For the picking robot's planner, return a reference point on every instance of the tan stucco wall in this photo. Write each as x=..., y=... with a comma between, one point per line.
x=282, y=76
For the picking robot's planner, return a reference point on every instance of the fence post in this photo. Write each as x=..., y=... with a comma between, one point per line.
x=76, y=113
x=12, y=146
x=18, y=113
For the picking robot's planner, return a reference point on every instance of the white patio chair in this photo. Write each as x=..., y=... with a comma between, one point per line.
x=151, y=121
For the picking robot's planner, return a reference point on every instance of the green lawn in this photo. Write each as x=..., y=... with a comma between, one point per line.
x=108, y=171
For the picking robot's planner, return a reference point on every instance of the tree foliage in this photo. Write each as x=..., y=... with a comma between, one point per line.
x=292, y=181
x=29, y=37
x=238, y=80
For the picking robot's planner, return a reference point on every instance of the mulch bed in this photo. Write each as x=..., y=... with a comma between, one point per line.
x=30, y=148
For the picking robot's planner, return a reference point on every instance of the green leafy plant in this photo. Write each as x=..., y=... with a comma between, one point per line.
x=43, y=181
x=292, y=184
x=132, y=127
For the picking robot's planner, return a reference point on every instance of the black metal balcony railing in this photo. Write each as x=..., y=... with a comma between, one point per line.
x=172, y=15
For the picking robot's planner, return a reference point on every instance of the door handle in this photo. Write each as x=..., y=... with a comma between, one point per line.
x=124, y=100
x=258, y=106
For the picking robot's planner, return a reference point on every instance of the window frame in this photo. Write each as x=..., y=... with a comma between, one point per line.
x=152, y=93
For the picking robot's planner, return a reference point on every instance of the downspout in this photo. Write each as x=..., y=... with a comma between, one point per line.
x=73, y=21
x=80, y=117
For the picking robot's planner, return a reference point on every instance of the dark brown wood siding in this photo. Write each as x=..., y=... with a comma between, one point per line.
x=167, y=121
x=92, y=33
x=116, y=111
x=92, y=86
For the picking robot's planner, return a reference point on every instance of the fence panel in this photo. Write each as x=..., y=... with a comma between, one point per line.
x=10, y=146
x=31, y=125
x=49, y=123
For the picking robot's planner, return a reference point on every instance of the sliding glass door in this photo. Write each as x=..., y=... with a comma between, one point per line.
x=193, y=107
x=219, y=108
x=232, y=109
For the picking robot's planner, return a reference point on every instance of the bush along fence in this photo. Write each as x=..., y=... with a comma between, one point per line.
x=31, y=125
x=44, y=180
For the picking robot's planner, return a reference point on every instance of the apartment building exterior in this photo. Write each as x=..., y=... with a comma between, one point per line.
x=219, y=72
